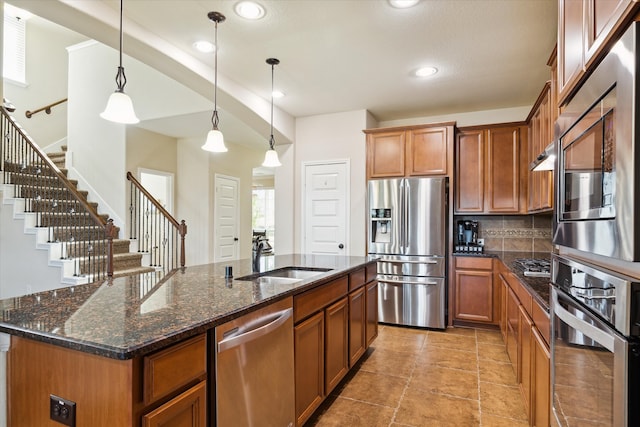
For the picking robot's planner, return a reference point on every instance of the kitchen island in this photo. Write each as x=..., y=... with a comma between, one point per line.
x=124, y=348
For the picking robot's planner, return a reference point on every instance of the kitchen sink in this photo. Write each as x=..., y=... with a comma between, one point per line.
x=285, y=275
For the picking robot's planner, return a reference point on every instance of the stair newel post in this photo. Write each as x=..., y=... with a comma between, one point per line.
x=110, y=234
x=183, y=233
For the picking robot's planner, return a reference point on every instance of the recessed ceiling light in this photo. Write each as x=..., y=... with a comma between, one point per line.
x=403, y=4
x=425, y=71
x=204, y=46
x=277, y=94
x=249, y=10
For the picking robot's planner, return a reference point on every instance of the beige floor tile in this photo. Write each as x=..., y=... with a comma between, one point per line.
x=497, y=372
x=377, y=389
x=389, y=362
x=421, y=408
x=489, y=420
x=397, y=330
x=452, y=341
x=452, y=382
x=347, y=412
x=448, y=358
x=411, y=343
x=501, y=400
x=470, y=332
x=495, y=352
x=489, y=336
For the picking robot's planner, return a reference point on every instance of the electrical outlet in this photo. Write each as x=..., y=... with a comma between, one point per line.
x=481, y=242
x=62, y=410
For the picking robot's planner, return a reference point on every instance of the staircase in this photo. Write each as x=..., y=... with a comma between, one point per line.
x=75, y=242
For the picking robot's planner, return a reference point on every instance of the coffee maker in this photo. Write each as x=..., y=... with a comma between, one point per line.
x=467, y=240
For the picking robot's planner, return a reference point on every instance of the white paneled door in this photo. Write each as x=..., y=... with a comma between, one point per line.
x=326, y=208
x=226, y=217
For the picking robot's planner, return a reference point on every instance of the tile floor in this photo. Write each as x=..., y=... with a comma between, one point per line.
x=412, y=377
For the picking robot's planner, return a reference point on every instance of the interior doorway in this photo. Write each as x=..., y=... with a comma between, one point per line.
x=263, y=206
x=226, y=218
x=160, y=185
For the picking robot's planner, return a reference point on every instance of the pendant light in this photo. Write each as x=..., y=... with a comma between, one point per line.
x=215, y=139
x=271, y=157
x=119, y=106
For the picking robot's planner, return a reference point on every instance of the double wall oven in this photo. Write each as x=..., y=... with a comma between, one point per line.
x=595, y=345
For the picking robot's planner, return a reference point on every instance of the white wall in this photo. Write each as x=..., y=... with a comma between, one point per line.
x=471, y=118
x=285, y=200
x=335, y=137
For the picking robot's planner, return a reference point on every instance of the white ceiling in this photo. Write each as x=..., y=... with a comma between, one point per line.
x=336, y=55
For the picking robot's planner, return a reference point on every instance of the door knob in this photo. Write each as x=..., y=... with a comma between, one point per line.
x=235, y=239
x=340, y=246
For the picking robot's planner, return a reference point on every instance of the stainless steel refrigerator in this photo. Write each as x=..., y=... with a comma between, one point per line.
x=407, y=231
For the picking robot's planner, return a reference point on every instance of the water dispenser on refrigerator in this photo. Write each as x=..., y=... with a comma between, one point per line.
x=380, y=223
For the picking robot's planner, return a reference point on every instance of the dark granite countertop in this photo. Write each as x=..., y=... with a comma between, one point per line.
x=539, y=287
x=134, y=315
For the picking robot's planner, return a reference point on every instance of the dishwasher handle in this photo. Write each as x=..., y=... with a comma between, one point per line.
x=257, y=332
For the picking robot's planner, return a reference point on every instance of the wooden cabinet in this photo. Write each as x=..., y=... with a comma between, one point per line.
x=541, y=381
x=540, y=135
x=334, y=325
x=308, y=342
x=586, y=30
x=525, y=352
x=409, y=151
x=474, y=290
x=336, y=343
x=188, y=409
x=513, y=329
x=488, y=170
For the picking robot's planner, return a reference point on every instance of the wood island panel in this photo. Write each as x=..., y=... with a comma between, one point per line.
x=309, y=302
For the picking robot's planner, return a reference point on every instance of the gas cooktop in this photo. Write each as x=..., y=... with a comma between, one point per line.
x=534, y=267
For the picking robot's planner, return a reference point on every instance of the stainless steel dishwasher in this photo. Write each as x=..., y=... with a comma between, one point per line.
x=254, y=384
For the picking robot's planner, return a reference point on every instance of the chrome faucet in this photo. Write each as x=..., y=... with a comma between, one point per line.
x=258, y=246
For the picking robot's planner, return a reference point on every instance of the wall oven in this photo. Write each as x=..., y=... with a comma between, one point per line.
x=598, y=199
x=595, y=346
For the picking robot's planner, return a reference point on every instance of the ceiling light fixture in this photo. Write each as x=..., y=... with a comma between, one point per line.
x=119, y=106
x=215, y=139
x=204, y=46
x=271, y=156
x=403, y=4
x=249, y=10
x=425, y=71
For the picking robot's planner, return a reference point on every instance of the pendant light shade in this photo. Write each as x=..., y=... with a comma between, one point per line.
x=271, y=156
x=119, y=106
x=215, y=139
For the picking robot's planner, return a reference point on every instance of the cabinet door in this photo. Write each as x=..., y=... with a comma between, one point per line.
x=427, y=151
x=357, y=325
x=372, y=312
x=513, y=314
x=534, y=151
x=386, y=154
x=503, y=170
x=504, y=294
x=570, y=43
x=336, y=343
x=541, y=382
x=187, y=409
x=474, y=296
x=524, y=345
x=469, y=184
x=309, y=366
x=601, y=16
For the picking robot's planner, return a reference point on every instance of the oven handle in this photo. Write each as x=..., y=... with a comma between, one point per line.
x=604, y=339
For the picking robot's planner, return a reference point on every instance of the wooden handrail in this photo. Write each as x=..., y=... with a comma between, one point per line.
x=46, y=108
x=45, y=159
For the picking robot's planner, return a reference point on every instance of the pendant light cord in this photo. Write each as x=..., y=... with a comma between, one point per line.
x=121, y=79
x=271, y=139
x=214, y=117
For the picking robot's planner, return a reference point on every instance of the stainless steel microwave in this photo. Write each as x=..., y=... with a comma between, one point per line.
x=597, y=203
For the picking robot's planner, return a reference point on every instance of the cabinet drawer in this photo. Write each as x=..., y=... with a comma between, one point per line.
x=371, y=272
x=318, y=298
x=188, y=409
x=356, y=279
x=173, y=368
x=541, y=319
x=475, y=263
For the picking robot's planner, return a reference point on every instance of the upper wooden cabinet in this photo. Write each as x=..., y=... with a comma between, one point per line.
x=488, y=171
x=586, y=30
x=540, y=135
x=410, y=151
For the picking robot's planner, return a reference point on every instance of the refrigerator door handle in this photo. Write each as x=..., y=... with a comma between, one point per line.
x=405, y=213
x=406, y=261
x=409, y=282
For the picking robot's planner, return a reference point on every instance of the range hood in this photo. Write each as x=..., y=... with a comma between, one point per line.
x=546, y=160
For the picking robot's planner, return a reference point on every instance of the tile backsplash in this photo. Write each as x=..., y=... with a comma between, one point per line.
x=513, y=233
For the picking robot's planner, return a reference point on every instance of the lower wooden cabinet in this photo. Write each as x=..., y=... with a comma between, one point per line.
x=372, y=312
x=357, y=325
x=476, y=297
x=189, y=409
x=308, y=339
x=524, y=349
x=336, y=321
x=541, y=381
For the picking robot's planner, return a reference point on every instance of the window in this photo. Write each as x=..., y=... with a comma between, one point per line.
x=263, y=212
x=14, y=44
